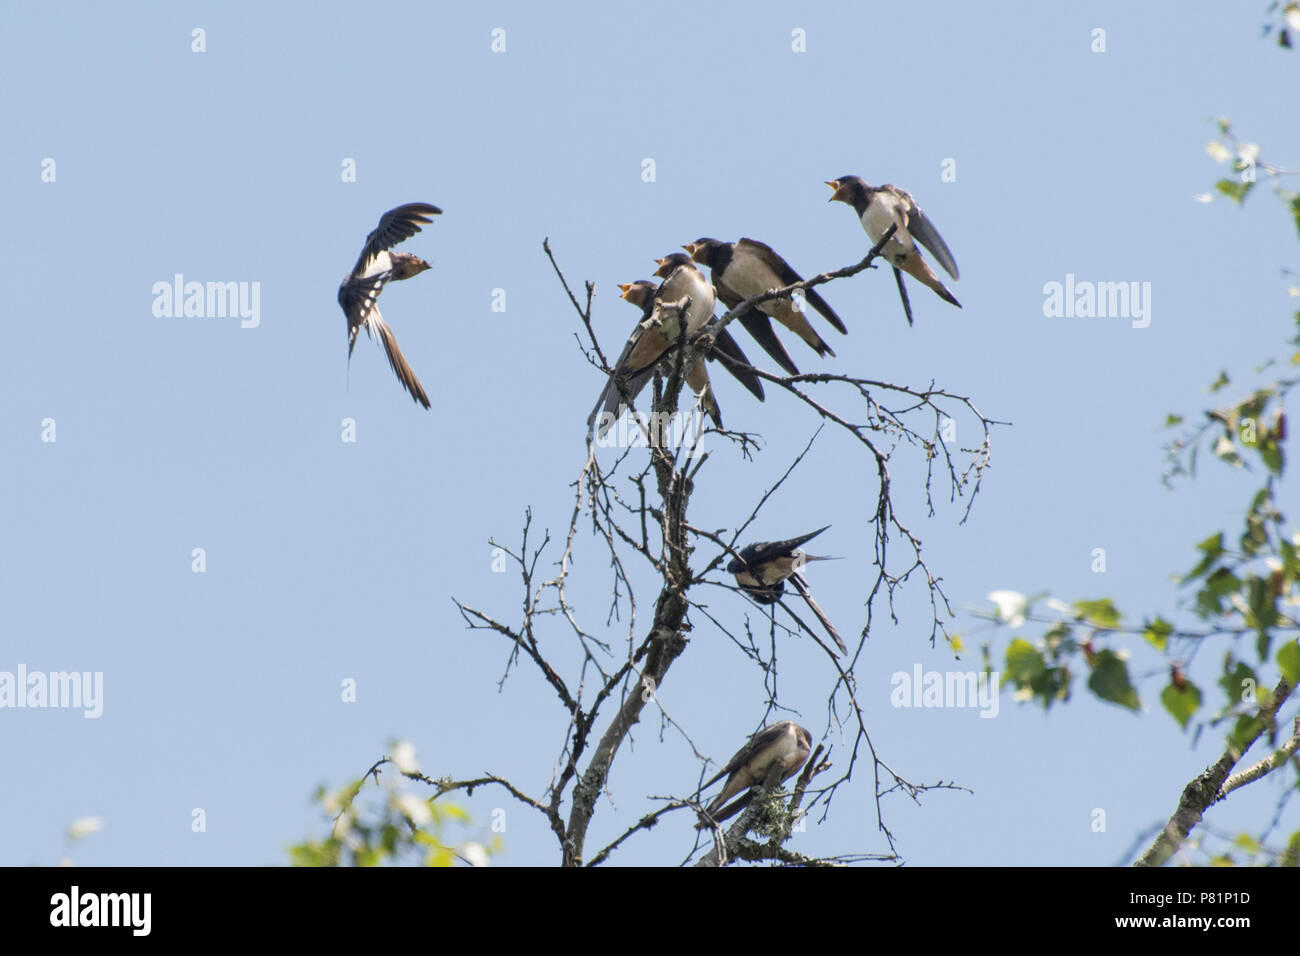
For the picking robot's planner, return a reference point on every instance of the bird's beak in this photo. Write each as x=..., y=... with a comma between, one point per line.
x=690, y=249
x=835, y=188
x=626, y=287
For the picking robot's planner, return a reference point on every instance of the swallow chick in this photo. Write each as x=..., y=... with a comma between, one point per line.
x=360, y=288
x=762, y=568
x=878, y=208
x=656, y=334
x=749, y=267
x=785, y=744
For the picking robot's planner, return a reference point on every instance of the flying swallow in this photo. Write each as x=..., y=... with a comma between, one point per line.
x=726, y=350
x=360, y=288
x=878, y=208
x=762, y=569
x=749, y=267
x=656, y=334
x=784, y=743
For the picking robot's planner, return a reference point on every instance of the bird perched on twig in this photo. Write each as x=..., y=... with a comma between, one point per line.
x=878, y=208
x=785, y=744
x=726, y=350
x=657, y=334
x=360, y=288
x=762, y=568
x=749, y=267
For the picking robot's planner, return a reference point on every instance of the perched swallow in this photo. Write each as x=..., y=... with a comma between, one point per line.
x=762, y=569
x=784, y=743
x=748, y=267
x=360, y=288
x=878, y=208
x=657, y=333
x=726, y=350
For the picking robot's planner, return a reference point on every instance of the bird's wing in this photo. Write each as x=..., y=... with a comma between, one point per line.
x=760, y=552
x=730, y=810
x=357, y=296
x=733, y=358
x=394, y=226
x=802, y=586
x=757, y=324
x=923, y=231
x=788, y=276
x=644, y=340
x=395, y=358
x=764, y=738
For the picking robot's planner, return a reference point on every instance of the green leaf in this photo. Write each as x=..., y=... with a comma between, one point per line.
x=1028, y=670
x=1263, y=612
x=1157, y=633
x=1099, y=613
x=1052, y=684
x=1234, y=189
x=1110, y=681
x=1288, y=662
x=1059, y=640
x=1211, y=548
x=1291, y=857
x=1219, y=383
x=1024, y=662
x=1244, y=731
x=1290, y=558
x=1270, y=451
x=1218, y=586
x=1239, y=684
x=1295, y=210
x=1171, y=420
x=454, y=812
x=1181, y=704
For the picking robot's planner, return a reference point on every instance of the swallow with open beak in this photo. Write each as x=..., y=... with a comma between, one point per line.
x=726, y=350
x=878, y=208
x=749, y=267
x=762, y=568
x=657, y=334
x=785, y=744
x=360, y=288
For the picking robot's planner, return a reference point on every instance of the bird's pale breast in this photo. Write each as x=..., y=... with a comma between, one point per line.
x=880, y=215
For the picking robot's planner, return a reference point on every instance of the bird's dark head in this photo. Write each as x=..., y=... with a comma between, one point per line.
x=704, y=251
x=670, y=262
x=847, y=189
x=639, y=293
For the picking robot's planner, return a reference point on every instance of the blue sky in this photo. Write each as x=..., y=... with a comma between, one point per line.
x=329, y=560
